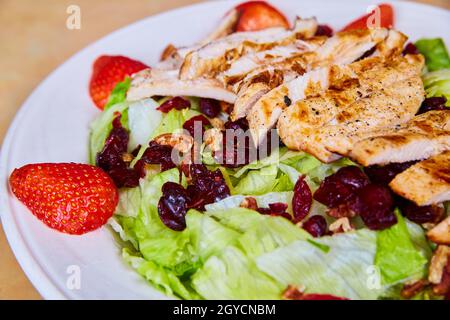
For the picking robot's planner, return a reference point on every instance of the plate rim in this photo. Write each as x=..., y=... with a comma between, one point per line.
x=24, y=256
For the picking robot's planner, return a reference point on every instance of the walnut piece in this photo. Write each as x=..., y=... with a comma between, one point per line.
x=249, y=203
x=341, y=225
x=182, y=142
x=438, y=262
x=441, y=232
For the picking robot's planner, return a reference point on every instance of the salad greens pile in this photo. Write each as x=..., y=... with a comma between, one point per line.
x=229, y=252
x=437, y=78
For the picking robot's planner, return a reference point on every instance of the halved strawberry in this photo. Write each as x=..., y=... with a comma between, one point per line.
x=386, y=19
x=69, y=197
x=107, y=72
x=258, y=15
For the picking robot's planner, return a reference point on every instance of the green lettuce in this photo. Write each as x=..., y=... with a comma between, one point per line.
x=119, y=93
x=435, y=52
x=398, y=258
x=262, y=201
x=258, y=182
x=143, y=119
x=232, y=275
x=101, y=127
x=162, y=278
x=340, y=265
x=437, y=84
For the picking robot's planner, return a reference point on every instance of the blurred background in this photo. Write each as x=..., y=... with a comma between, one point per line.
x=33, y=43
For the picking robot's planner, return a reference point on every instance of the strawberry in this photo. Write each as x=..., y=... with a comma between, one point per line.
x=258, y=15
x=69, y=197
x=107, y=72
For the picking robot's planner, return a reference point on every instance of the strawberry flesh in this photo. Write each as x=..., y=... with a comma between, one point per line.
x=69, y=197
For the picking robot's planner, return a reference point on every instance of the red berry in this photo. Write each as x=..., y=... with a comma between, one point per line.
x=324, y=30
x=107, y=72
x=302, y=200
x=69, y=197
x=177, y=103
x=316, y=226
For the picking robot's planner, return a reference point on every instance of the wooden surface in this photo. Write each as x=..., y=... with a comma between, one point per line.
x=35, y=42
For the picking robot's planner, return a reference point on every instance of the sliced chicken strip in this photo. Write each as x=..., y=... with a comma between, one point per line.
x=423, y=136
x=250, y=65
x=225, y=28
x=426, y=182
x=341, y=49
x=392, y=46
x=375, y=94
x=148, y=83
x=216, y=56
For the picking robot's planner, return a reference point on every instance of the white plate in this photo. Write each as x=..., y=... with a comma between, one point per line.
x=53, y=126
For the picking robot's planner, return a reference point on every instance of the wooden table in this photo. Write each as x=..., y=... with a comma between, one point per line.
x=35, y=42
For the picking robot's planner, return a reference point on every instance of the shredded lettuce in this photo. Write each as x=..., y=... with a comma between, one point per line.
x=437, y=84
x=232, y=275
x=143, y=119
x=101, y=127
x=119, y=93
x=342, y=269
x=398, y=258
x=435, y=52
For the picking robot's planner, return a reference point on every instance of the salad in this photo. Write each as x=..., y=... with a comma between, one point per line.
x=269, y=160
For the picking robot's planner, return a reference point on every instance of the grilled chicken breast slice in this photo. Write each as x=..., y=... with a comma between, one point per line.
x=426, y=182
x=423, y=136
x=153, y=82
x=341, y=49
x=364, y=96
x=216, y=56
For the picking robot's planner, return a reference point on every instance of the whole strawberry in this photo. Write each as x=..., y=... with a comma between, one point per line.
x=69, y=197
x=107, y=72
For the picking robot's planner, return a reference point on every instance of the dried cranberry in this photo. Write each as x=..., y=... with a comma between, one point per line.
x=172, y=206
x=206, y=186
x=110, y=159
x=423, y=214
x=155, y=154
x=235, y=151
x=115, y=146
x=302, y=200
x=410, y=48
x=316, y=226
x=316, y=296
x=238, y=124
x=432, y=104
x=124, y=177
x=177, y=103
x=201, y=122
x=276, y=209
x=376, y=206
x=384, y=174
x=209, y=107
x=324, y=30
x=339, y=187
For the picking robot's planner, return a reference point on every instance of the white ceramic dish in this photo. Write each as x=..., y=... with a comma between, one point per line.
x=53, y=126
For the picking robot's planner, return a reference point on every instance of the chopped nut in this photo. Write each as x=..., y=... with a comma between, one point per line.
x=341, y=225
x=179, y=141
x=226, y=107
x=443, y=287
x=213, y=139
x=410, y=290
x=249, y=203
x=441, y=233
x=293, y=293
x=169, y=51
x=127, y=157
x=438, y=263
x=217, y=123
x=341, y=211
